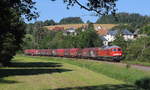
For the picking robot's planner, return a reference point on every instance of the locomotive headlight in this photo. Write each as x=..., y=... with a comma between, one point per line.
x=117, y=54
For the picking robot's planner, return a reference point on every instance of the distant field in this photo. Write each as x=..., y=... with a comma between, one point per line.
x=76, y=26
x=45, y=73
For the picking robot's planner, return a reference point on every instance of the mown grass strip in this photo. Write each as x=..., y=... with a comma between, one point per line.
x=118, y=72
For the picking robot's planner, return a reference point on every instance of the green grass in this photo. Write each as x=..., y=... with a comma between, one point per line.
x=47, y=73
x=128, y=75
x=43, y=73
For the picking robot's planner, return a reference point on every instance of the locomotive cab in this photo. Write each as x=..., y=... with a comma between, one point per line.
x=116, y=53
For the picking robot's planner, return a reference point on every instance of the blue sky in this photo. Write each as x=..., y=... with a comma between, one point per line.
x=57, y=10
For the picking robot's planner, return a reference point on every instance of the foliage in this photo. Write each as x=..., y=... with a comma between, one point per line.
x=123, y=18
x=143, y=83
x=132, y=28
x=49, y=22
x=71, y=20
x=128, y=21
x=12, y=26
x=139, y=49
x=89, y=38
x=28, y=42
x=145, y=30
x=100, y=7
x=119, y=41
x=43, y=39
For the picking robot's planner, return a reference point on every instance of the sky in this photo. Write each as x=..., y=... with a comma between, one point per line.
x=57, y=10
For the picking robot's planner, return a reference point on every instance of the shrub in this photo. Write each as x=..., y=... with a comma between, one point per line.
x=143, y=83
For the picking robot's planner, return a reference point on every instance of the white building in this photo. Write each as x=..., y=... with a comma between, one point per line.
x=111, y=36
x=70, y=31
x=127, y=35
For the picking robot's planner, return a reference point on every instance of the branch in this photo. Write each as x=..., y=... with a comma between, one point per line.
x=89, y=9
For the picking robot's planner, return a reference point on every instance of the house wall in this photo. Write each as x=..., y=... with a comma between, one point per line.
x=128, y=37
x=109, y=38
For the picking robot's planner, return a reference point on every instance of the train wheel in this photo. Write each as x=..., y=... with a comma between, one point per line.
x=116, y=59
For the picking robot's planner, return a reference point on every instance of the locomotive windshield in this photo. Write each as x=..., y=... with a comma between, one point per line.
x=116, y=49
x=119, y=49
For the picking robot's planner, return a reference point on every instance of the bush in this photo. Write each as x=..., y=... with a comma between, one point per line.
x=143, y=83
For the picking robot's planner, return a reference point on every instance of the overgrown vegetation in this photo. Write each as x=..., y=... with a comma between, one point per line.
x=139, y=49
x=44, y=39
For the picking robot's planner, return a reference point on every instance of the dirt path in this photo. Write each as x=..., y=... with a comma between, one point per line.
x=146, y=68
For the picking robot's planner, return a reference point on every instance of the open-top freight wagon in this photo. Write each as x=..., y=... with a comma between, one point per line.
x=113, y=53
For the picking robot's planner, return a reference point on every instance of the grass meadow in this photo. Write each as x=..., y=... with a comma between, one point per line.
x=51, y=73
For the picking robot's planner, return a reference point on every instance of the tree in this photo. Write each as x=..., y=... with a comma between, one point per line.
x=139, y=49
x=28, y=42
x=71, y=20
x=88, y=38
x=128, y=21
x=12, y=26
x=88, y=22
x=123, y=18
x=119, y=41
x=49, y=22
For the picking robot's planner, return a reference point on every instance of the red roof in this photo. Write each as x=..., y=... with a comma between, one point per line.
x=102, y=32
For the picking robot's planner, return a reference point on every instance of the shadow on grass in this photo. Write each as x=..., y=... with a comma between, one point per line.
x=7, y=81
x=35, y=64
x=30, y=68
x=102, y=87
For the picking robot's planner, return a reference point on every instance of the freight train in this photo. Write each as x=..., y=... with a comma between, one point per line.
x=113, y=53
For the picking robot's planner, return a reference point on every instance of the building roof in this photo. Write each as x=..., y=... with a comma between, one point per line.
x=70, y=30
x=113, y=32
x=126, y=32
x=103, y=38
x=109, y=47
x=102, y=32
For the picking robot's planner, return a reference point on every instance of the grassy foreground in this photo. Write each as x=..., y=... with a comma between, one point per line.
x=45, y=73
x=128, y=75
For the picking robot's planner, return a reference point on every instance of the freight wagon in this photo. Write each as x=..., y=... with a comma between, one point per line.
x=113, y=53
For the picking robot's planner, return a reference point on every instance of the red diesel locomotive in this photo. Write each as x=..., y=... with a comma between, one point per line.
x=113, y=53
